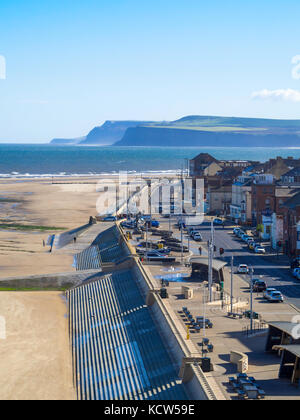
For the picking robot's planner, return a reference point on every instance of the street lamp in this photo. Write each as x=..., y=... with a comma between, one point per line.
x=231, y=286
x=251, y=298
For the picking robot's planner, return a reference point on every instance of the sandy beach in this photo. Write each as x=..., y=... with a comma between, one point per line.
x=35, y=358
x=38, y=202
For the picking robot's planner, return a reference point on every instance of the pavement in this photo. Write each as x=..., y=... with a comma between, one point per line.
x=275, y=271
x=230, y=334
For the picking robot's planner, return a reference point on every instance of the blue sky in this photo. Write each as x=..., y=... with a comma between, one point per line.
x=71, y=65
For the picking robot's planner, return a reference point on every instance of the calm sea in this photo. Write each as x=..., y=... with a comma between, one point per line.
x=44, y=160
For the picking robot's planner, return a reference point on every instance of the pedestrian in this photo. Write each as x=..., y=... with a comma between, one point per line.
x=200, y=250
x=43, y=243
x=74, y=239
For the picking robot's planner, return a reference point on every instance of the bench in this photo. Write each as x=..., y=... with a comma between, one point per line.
x=210, y=348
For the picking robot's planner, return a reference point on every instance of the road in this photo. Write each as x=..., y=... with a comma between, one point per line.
x=275, y=272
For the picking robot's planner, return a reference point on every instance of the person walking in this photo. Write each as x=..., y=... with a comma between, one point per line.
x=200, y=250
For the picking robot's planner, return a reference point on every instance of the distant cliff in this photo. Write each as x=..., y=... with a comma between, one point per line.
x=110, y=132
x=216, y=132
x=148, y=136
x=194, y=131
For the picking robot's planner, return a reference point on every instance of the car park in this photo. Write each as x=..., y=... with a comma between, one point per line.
x=275, y=296
x=268, y=291
x=243, y=269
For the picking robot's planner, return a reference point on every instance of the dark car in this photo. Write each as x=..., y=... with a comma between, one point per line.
x=259, y=286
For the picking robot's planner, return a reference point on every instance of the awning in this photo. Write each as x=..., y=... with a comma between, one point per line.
x=292, y=348
x=216, y=264
x=286, y=327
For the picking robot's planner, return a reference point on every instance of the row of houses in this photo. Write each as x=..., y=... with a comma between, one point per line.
x=265, y=196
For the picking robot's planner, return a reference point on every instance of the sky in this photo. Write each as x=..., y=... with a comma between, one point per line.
x=67, y=66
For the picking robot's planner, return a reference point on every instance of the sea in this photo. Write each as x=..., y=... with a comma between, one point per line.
x=44, y=160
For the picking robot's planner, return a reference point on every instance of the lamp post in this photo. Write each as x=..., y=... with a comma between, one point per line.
x=231, y=286
x=210, y=262
x=251, y=299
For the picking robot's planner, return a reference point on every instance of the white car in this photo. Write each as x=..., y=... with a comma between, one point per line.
x=197, y=237
x=243, y=269
x=275, y=297
x=260, y=250
x=268, y=291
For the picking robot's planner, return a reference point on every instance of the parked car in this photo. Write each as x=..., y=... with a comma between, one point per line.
x=200, y=322
x=252, y=245
x=275, y=296
x=244, y=237
x=298, y=275
x=128, y=225
x=259, y=285
x=243, y=269
x=259, y=250
x=153, y=255
x=236, y=230
x=268, y=291
x=218, y=221
x=109, y=218
x=164, y=251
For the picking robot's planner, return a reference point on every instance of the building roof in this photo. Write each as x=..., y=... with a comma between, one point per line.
x=287, y=192
x=278, y=169
x=293, y=202
x=284, y=326
x=205, y=158
x=293, y=172
x=217, y=264
x=292, y=348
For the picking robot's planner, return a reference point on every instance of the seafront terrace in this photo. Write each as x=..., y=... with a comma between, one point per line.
x=227, y=334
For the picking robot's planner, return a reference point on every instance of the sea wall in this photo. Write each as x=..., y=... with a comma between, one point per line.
x=49, y=281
